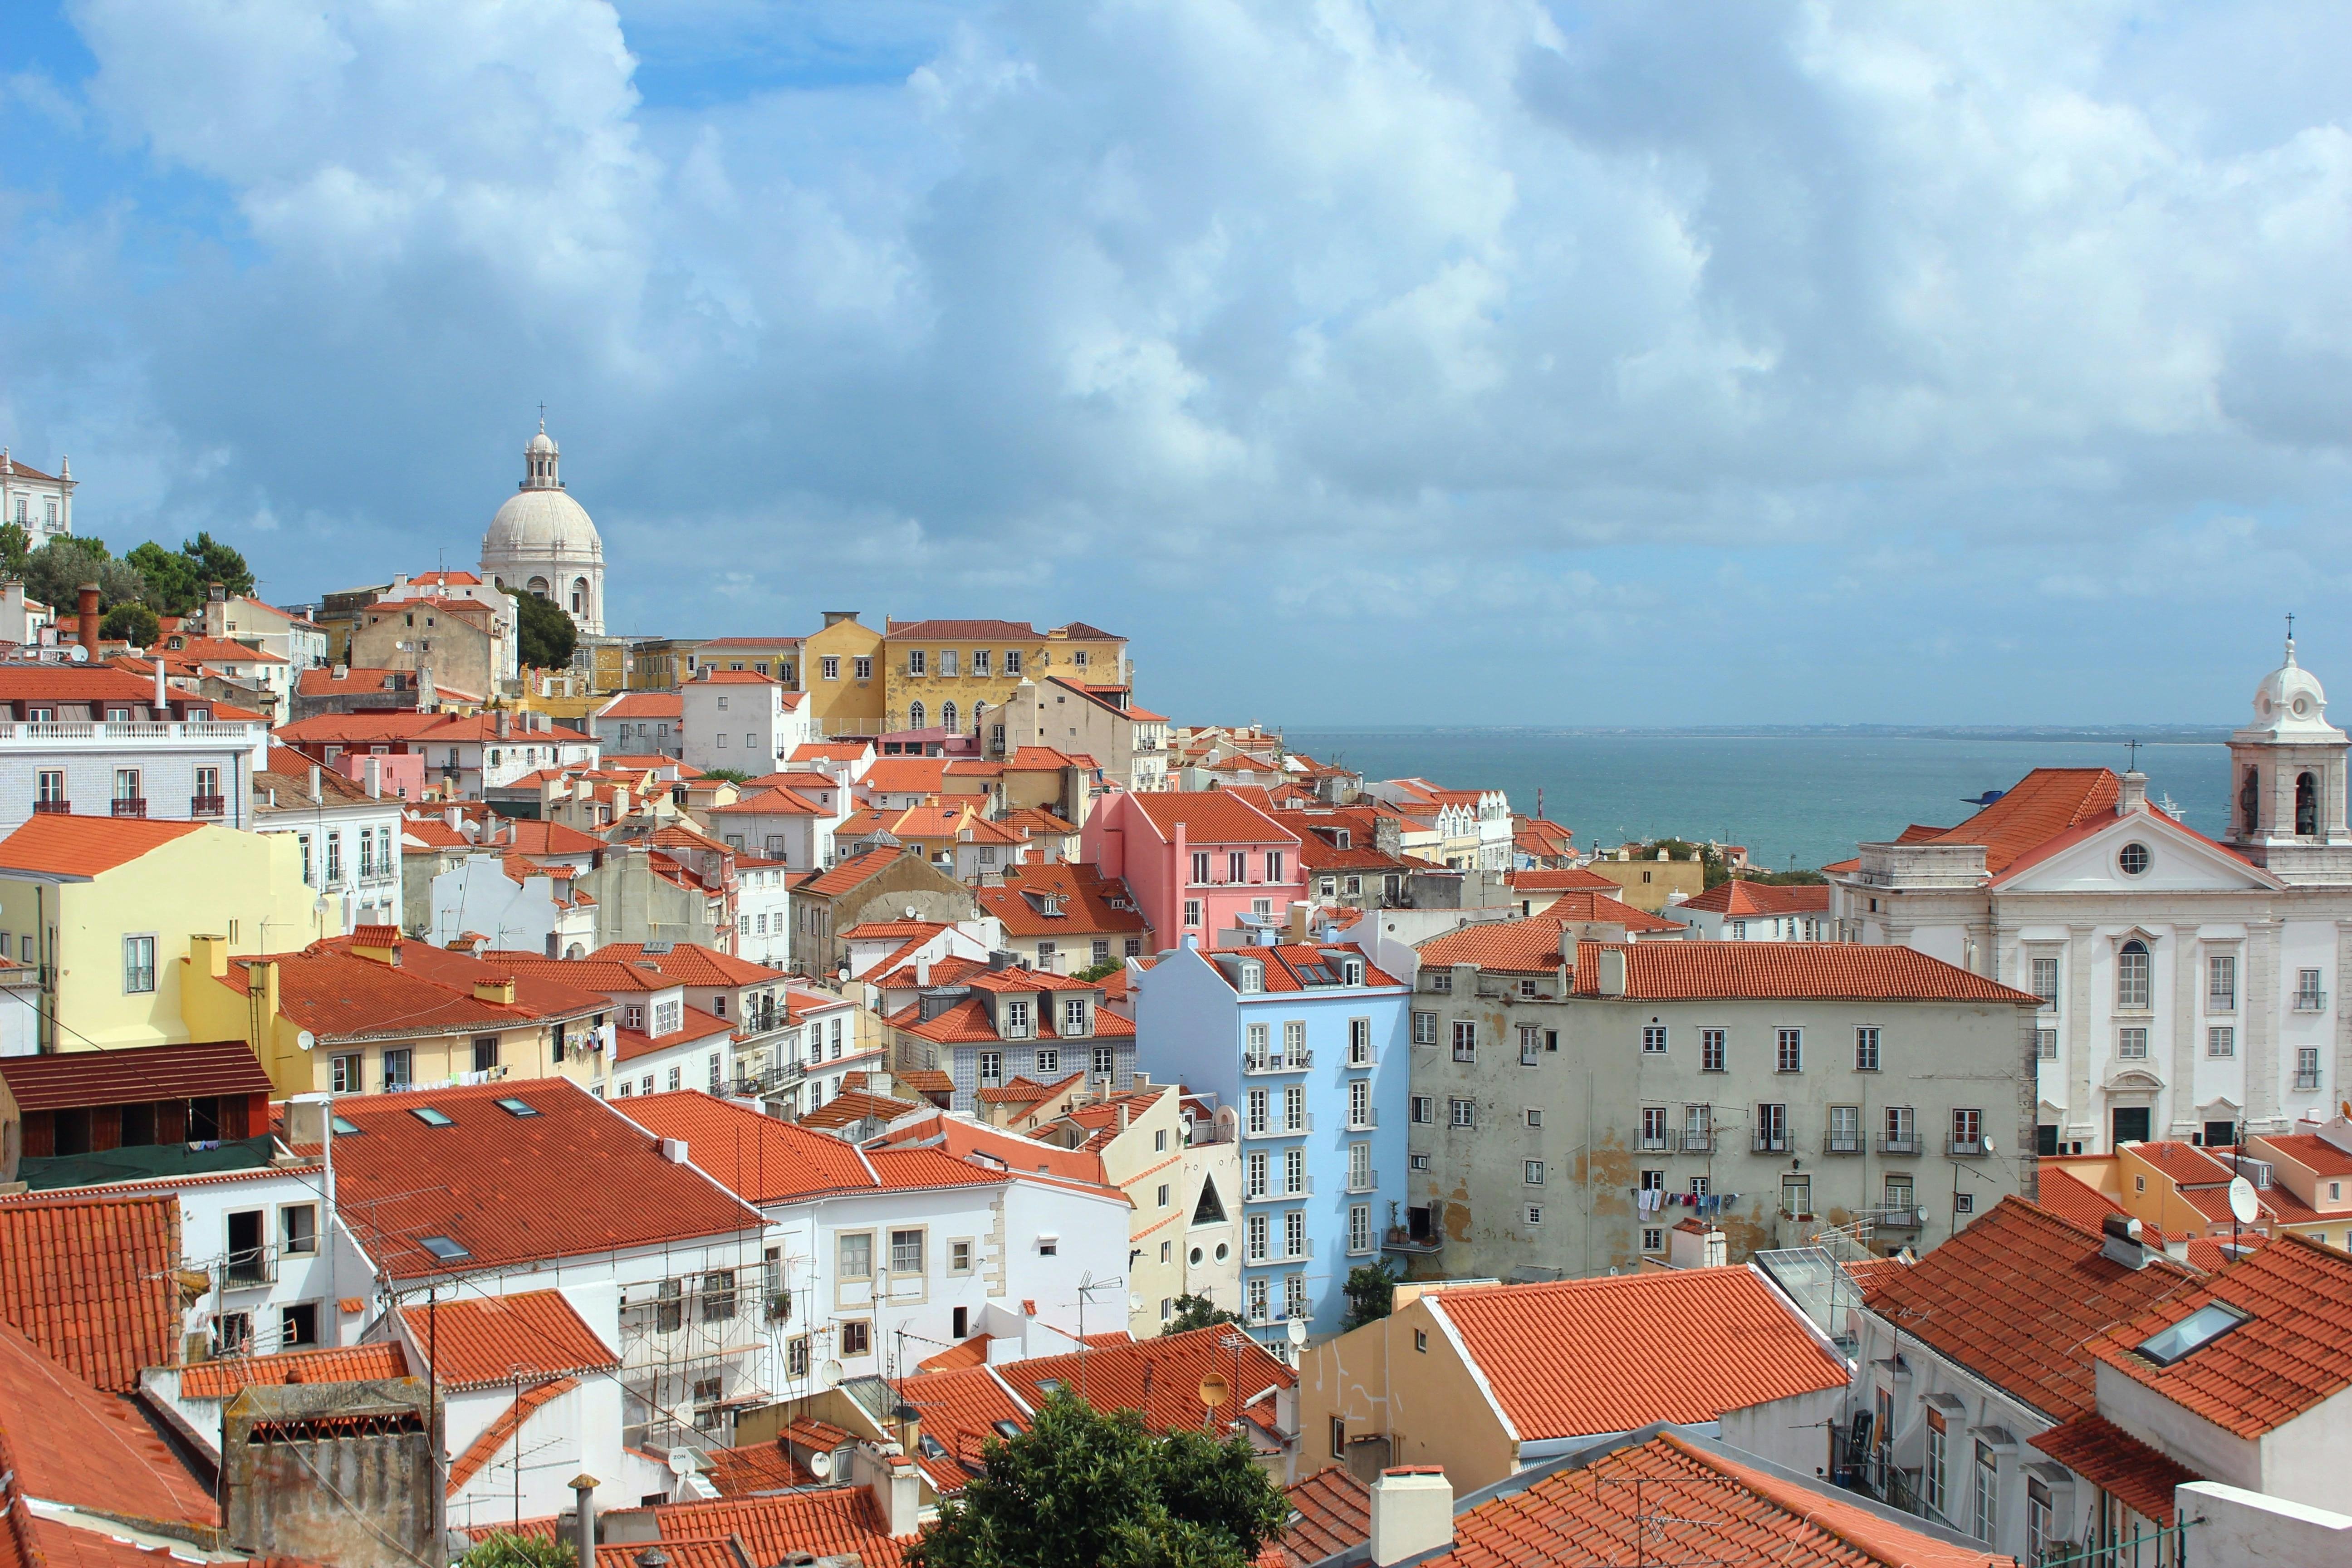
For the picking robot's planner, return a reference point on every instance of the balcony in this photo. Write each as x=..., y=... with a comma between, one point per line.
x=1273, y=1129
x=2308, y=1080
x=134, y=805
x=1279, y=1061
x=1900, y=1143
x=2311, y=1001
x=1842, y=1143
x=1771, y=1142
x=1697, y=1141
x=1400, y=1238
x=56, y=807
x=1652, y=1143
x=208, y=805
x=1360, y=1181
x=1903, y=1218
x=1363, y=1121
x=1960, y=1148
x=252, y=1266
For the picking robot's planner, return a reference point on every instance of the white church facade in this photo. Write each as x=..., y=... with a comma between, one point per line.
x=2193, y=989
x=542, y=542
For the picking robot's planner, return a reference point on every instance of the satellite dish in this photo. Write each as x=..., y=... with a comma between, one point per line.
x=1297, y=1330
x=2243, y=1205
x=304, y=1040
x=1987, y=1143
x=820, y=1464
x=78, y=654
x=1134, y=1302
x=1213, y=1391
x=681, y=1462
x=829, y=1376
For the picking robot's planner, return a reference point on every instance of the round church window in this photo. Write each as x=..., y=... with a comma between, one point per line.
x=2134, y=859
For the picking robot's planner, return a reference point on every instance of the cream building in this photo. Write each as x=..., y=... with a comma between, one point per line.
x=542, y=542
x=2190, y=989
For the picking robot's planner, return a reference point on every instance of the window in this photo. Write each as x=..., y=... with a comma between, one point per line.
x=298, y=1230
x=1360, y=1042
x=1163, y=1203
x=2133, y=859
x=906, y=1251
x=1698, y=1128
x=1274, y=865
x=1425, y=1108
x=1466, y=1040
x=1254, y=1175
x=1259, y=1231
x=1294, y=1038
x=2041, y=1534
x=1049, y=1064
x=1771, y=1128
x=2221, y=982
x=992, y=1068
x=1258, y=1109
x=1359, y=1167
x=1199, y=865
x=1865, y=1049
x=1986, y=1501
x=1016, y=1016
x=1360, y=1103
x=1968, y=1131
x=1424, y=1028
x=1417, y=1162
x=1790, y=1049
x=1100, y=952
x=856, y=1255
x=1653, y=1127
x=343, y=1075
x=138, y=963
x=1011, y=662
x=2308, y=998
x=1654, y=1039
x=982, y=660
x=1462, y=1112
x=1845, y=1129
x=397, y=1075
x=829, y=668
x=1294, y=1109
x=1441, y=980
x=856, y=1338
x=2307, y=1067
x=915, y=716
x=2045, y=1045
x=719, y=1296
x=1535, y=1172
x=485, y=1053
x=297, y=1326
x=1797, y=1196
x=2131, y=976
x=2131, y=1045
x=126, y=780
x=1530, y=1044
x=1294, y=1171
x=1191, y=911
x=1710, y=1050
x=49, y=786
x=1293, y=1234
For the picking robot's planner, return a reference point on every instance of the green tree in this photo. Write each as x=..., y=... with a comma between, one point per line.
x=547, y=633
x=1103, y=971
x=1083, y=1487
x=1198, y=1312
x=1370, y=1288
x=172, y=588
x=16, y=545
x=130, y=621
x=213, y=562
x=726, y=775
x=55, y=572
x=1789, y=878
x=504, y=1550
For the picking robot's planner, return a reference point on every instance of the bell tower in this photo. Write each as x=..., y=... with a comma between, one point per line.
x=2287, y=807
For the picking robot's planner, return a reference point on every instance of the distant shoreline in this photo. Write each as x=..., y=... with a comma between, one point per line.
x=2117, y=734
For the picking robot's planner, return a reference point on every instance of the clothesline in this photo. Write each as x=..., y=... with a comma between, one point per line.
x=1649, y=1200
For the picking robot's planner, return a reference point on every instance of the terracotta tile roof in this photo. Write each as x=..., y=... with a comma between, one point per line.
x=225, y=1378
x=433, y=834
x=1159, y=1377
x=1214, y=817
x=502, y=1431
x=758, y=1158
x=1714, y=1510
x=756, y=1467
x=924, y=1080
x=2040, y=806
x=1085, y=901
x=76, y=1079
x=492, y=1182
x=830, y=751
x=998, y=631
x=2308, y=1149
x=90, y=1280
x=1527, y=945
x=1286, y=961
x=960, y=1137
x=2015, y=1297
x=1742, y=897
x=1331, y=1511
x=905, y=776
x=771, y=803
x=1022, y=1089
x=1583, y=905
x=75, y=1445
x=911, y=1169
x=85, y=846
x=2115, y=1461
x=829, y=1522
x=850, y=874
x=851, y=1107
x=1538, y=1345
x=334, y=993
x=481, y=1342
x=692, y=964
x=644, y=705
x=969, y=1352
x=944, y=971
x=2074, y=1200
x=2293, y=1350
x=960, y=1407
x=1794, y=971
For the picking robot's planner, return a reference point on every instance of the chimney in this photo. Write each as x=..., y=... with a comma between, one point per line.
x=2120, y=1243
x=909, y=1428
x=1123, y=1116
x=342, y=672
x=1301, y=911
x=454, y=817
x=87, y=608
x=584, y=1520
x=317, y=785
x=673, y=1149
x=898, y=1488
x=219, y=594
x=1612, y=972
x=922, y=969
x=2134, y=793
x=1412, y=1513
x=375, y=778
x=504, y=723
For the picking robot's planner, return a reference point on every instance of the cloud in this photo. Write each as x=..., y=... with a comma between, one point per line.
x=1247, y=325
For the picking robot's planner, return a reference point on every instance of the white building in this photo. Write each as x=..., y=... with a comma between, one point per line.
x=515, y=903
x=350, y=835
x=2191, y=988
x=41, y=504
x=94, y=738
x=743, y=720
x=301, y=642
x=1744, y=910
x=542, y=542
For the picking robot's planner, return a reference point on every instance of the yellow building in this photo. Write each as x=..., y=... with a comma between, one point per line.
x=841, y=669
x=951, y=675
x=371, y=1013
x=1648, y=882
x=106, y=905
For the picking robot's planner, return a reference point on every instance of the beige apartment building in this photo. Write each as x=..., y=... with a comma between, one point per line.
x=1572, y=1103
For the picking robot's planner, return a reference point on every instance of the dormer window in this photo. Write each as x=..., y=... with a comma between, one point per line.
x=1353, y=971
x=1016, y=1017
x=1253, y=978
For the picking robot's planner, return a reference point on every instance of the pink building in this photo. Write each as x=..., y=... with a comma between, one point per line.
x=394, y=776
x=1195, y=862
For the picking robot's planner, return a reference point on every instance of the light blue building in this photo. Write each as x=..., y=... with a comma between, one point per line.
x=1307, y=1043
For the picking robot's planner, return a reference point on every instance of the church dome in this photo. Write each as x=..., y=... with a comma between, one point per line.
x=542, y=542
x=2290, y=702
x=542, y=522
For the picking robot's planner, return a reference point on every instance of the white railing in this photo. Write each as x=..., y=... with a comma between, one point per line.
x=129, y=729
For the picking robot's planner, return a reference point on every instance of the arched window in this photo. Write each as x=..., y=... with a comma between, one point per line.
x=2131, y=976
x=580, y=596
x=2250, y=803
x=914, y=715
x=947, y=717
x=2306, y=804
x=538, y=585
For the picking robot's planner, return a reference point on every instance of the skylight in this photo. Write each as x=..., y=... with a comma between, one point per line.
x=1007, y=1428
x=431, y=1118
x=2192, y=1333
x=447, y=1251
x=513, y=1107
x=345, y=1128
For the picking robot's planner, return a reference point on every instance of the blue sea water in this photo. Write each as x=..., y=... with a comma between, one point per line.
x=1802, y=799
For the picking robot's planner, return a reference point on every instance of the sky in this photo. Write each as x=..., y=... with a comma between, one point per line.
x=1445, y=362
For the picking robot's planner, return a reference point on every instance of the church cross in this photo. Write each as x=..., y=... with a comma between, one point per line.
x=2133, y=764
x=2290, y=625
x=542, y=430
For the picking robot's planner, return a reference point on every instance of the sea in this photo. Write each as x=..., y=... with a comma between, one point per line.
x=1795, y=799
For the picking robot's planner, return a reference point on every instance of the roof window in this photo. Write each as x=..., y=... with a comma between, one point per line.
x=513, y=1107
x=1049, y=1385
x=431, y=1118
x=345, y=1127
x=444, y=1250
x=1006, y=1430
x=2192, y=1333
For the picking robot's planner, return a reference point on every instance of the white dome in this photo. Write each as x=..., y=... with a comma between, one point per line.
x=2290, y=703
x=542, y=442
x=542, y=524
x=543, y=541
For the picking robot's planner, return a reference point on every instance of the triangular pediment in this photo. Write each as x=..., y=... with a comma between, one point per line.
x=2142, y=852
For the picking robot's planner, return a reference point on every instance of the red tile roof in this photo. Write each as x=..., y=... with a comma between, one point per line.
x=996, y=631
x=2315, y=1153
x=481, y=1342
x=75, y=1445
x=691, y=963
x=833, y=1521
x=2040, y=806
x=1085, y=899
x=91, y=1281
x=849, y=874
x=912, y=1169
x=2293, y=1350
x=1541, y=1348
x=959, y=1406
x=1793, y=970
x=85, y=846
x=1159, y=1377
x=501, y=1431
x=756, y=1467
x=224, y=1379
x=1582, y=905
x=1690, y=1506
x=492, y=1182
x=758, y=1158
x=2115, y=1461
x=2183, y=1162
x=853, y=1105
x=2014, y=1298
x=1285, y=961
x=2074, y=1200
x=333, y=992
x=1214, y=817
x=77, y=1078
x=1742, y=897
x=1331, y=1511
